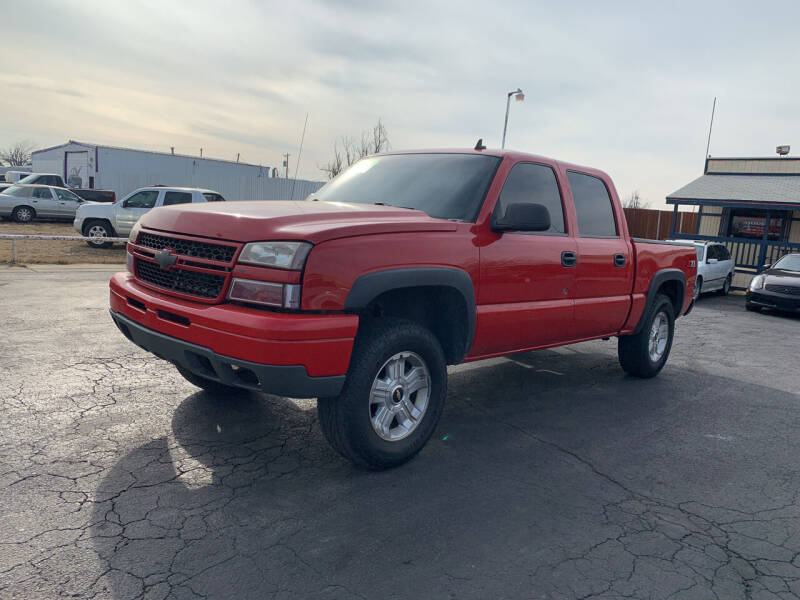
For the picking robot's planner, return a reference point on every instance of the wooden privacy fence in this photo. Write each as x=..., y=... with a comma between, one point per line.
x=654, y=224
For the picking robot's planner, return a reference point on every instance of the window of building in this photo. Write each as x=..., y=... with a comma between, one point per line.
x=751, y=223
x=535, y=184
x=592, y=206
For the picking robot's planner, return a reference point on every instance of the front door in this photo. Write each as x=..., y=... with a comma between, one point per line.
x=133, y=207
x=67, y=203
x=604, y=273
x=525, y=292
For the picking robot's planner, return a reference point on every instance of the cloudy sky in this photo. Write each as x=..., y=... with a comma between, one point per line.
x=623, y=86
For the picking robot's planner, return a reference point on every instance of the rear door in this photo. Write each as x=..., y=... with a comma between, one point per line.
x=44, y=202
x=171, y=198
x=604, y=273
x=524, y=297
x=133, y=207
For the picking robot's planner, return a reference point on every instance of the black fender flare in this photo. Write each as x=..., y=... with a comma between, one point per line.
x=371, y=285
x=659, y=278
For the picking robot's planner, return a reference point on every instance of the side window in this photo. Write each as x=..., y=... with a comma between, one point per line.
x=713, y=252
x=66, y=195
x=20, y=191
x=700, y=251
x=213, y=198
x=43, y=193
x=51, y=180
x=724, y=254
x=177, y=198
x=535, y=184
x=592, y=206
x=143, y=199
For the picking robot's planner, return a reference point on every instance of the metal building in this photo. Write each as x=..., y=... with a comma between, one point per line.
x=124, y=170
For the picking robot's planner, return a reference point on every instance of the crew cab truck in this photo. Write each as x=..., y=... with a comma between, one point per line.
x=362, y=294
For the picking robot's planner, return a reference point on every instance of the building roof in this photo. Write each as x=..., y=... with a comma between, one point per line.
x=175, y=154
x=772, y=189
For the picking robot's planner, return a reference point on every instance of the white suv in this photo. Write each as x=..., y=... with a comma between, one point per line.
x=101, y=220
x=714, y=267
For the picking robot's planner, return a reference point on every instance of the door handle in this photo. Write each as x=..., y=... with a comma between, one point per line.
x=619, y=260
x=569, y=259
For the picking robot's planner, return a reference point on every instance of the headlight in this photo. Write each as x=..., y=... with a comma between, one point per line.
x=284, y=295
x=279, y=255
x=758, y=282
x=134, y=233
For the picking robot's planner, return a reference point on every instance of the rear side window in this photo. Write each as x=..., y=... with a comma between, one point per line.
x=171, y=198
x=724, y=254
x=535, y=184
x=213, y=198
x=43, y=193
x=592, y=206
x=50, y=180
x=20, y=191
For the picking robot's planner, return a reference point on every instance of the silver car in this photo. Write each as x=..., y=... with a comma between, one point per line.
x=24, y=203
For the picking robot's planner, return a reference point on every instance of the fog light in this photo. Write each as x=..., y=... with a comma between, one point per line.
x=265, y=292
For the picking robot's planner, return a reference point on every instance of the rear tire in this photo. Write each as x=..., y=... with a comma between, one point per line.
x=726, y=287
x=392, y=398
x=98, y=229
x=23, y=214
x=644, y=354
x=214, y=388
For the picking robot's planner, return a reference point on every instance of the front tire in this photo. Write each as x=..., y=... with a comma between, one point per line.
x=752, y=307
x=97, y=230
x=392, y=398
x=645, y=353
x=698, y=288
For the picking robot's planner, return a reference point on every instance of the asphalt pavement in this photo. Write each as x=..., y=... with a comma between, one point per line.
x=551, y=475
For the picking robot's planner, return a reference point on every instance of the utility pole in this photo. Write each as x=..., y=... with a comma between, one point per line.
x=286, y=163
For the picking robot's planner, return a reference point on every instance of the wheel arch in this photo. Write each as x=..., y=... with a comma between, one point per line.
x=670, y=282
x=87, y=222
x=442, y=298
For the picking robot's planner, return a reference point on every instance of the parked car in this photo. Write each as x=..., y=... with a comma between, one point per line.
x=106, y=196
x=715, y=267
x=104, y=220
x=401, y=265
x=778, y=287
x=24, y=203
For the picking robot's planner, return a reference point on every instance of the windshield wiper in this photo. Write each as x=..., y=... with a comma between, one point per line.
x=393, y=205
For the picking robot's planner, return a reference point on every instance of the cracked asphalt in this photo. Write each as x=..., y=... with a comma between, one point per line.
x=551, y=475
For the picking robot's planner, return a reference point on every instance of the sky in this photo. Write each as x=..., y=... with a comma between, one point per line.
x=626, y=87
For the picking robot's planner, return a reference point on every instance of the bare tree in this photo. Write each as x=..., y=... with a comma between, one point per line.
x=17, y=155
x=347, y=150
x=635, y=201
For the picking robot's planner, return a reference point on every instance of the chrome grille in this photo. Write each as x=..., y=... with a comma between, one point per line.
x=783, y=289
x=204, y=285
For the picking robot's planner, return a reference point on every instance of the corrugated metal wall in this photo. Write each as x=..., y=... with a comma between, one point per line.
x=123, y=170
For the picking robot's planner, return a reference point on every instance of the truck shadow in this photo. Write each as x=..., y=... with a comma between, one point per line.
x=244, y=498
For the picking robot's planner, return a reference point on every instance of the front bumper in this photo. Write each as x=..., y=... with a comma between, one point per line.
x=287, y=354
x=765, y=299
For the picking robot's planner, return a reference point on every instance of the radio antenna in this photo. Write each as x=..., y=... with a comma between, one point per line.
x=299, y=154
x=711, y=125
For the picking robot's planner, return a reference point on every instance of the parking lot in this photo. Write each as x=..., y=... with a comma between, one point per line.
x=551, y=475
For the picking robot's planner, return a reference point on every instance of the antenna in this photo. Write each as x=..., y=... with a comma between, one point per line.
x=299, y=154
x=713, y=108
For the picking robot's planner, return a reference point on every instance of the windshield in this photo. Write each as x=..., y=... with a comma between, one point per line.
x=790, y=262
x=445, y=186
x=29, y=179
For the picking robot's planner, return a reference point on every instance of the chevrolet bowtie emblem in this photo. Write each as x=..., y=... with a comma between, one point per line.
x=166, y=259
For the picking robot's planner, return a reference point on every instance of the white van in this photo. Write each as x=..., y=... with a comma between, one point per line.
x=15, y=176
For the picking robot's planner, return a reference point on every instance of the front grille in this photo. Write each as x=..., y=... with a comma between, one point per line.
x=783, y=289
x=179, y=280
x=187, y=247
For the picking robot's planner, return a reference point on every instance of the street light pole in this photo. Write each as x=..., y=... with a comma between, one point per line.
x=519, y=96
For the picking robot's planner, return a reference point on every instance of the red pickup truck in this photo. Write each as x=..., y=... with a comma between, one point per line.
x=362, y=294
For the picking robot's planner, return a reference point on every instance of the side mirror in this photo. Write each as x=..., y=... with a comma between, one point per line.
x=765, y=267
x=712, y=261
x=523, y=216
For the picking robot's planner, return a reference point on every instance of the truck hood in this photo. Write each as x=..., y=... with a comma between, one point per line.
x=307, y=220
